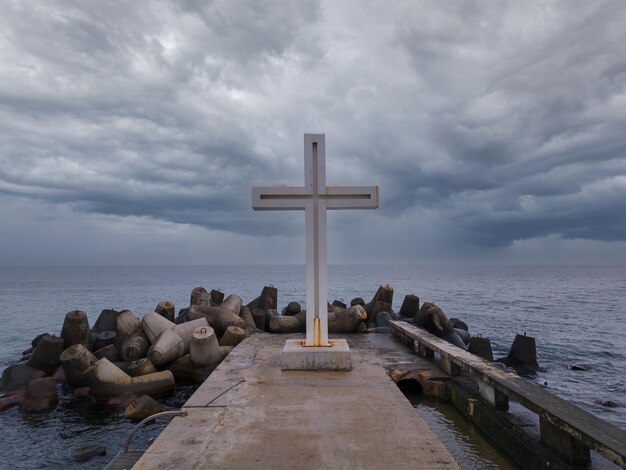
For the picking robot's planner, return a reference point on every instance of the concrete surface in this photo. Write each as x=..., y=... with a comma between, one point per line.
x=296, y=356
x=250, y=414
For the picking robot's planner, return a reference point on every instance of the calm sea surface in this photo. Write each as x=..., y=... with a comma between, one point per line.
x=576, y=313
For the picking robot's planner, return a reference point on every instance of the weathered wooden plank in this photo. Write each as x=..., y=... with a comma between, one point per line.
x=593, y=432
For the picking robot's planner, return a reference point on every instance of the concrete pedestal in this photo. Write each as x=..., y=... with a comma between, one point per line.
x=297, y=357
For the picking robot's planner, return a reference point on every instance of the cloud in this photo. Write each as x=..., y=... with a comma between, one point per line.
x=490, y=123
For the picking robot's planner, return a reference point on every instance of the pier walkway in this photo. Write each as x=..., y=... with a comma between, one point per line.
x=250, y=414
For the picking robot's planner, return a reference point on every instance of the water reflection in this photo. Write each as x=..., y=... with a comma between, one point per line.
x=469, y=446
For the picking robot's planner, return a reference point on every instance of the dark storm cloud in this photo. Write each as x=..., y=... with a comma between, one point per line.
x=491, y=121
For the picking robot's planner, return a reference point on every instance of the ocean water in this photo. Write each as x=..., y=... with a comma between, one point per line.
x=576, y=313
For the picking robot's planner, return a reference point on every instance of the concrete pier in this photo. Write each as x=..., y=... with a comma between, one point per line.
x=250, y=414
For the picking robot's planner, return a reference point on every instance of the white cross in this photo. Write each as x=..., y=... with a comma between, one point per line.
x=314, y=198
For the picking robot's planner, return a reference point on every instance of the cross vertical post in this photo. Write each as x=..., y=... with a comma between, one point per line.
x=315, y=198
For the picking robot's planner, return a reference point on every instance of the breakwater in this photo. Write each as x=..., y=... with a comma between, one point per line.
x=497, y=301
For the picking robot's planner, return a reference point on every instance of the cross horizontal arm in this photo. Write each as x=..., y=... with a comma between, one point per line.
x=351, y=197
x=279, y=198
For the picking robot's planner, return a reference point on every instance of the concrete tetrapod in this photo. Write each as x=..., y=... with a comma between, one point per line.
x=268, y=300
x=134, y=347
x=76, y=360
x=107, y=380
x=205, y=349
x=288, y=323
x=110, y=352
x=220, y=318
x=200, y=296
x=46, y=354
x=17, y=376
x=127, y=324
x=175, y=342
x=76, y=329
x=292, y=309
x=410, y=306
x=139, y=367
x=40, y=395
x=107, y=321
x=154, y=324
x=347, y=321
x=248, y=319
x=217, y=296
x=105, y=338
x=143, y=407
x=232, y=336
x=383, y=294
x=166, y=309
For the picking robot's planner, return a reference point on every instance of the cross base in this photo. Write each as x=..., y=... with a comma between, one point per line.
x=297, y=356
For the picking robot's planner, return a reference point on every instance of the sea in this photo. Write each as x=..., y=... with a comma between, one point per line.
x=576, y=314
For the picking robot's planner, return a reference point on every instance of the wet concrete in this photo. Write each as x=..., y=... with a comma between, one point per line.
x=251, y=414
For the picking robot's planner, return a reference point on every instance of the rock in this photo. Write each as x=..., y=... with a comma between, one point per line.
x=432, y=318
x=83, y=454
x=232, y=336
x=107, y=321
x=166, y=309
x=577, y=367
x=76, y=329
x=46, y=354
x=41, y=395
x=16, y=377
x=75, y=361
x=142, y=408
x=139, y=367
x=339, y=303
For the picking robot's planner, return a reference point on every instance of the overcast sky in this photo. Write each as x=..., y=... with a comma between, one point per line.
x=131, y=132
